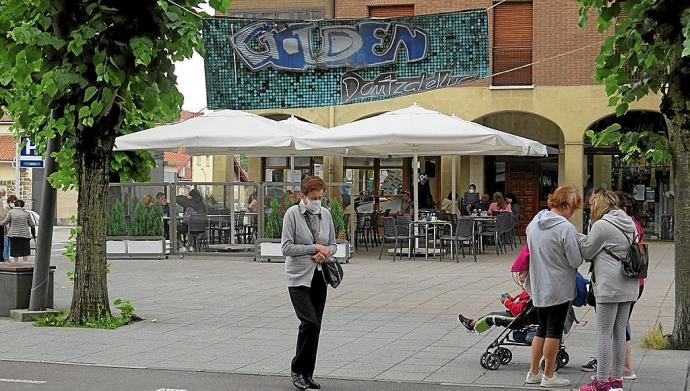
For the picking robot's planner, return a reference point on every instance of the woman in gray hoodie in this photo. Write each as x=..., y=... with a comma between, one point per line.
x=554, y=250
x=607, y=243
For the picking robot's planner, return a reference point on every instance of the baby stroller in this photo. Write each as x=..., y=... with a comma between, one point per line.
x=518, y=331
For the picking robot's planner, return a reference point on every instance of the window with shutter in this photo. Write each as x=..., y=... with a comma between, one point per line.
x=391, y=11
x=512, y=43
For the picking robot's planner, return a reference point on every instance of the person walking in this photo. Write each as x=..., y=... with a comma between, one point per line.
x=554, y=248
x=627, y=204
x=607, y=242
x=21, y=224
x=308, y=240
x=7, y=204
x=3, y=214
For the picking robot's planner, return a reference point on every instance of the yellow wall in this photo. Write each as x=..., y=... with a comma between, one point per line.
x=568, y=111
x=66, y=206
x=602, y=172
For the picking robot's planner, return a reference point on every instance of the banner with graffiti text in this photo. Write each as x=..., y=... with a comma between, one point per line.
x=263, y=64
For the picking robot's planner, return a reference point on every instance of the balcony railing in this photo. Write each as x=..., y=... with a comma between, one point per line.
x=507, y=58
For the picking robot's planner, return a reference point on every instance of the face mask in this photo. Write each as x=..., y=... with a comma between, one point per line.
x=312, y=205
x=471, y=191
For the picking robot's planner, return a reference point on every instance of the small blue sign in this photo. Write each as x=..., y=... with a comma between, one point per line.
x=28, y=156
x=31, y=163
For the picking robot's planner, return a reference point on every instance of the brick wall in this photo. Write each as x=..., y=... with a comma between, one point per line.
x=555, y=31
x=255, y=5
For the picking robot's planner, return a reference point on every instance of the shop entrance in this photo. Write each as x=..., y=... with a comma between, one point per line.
x=530, y=180
x=650, y=185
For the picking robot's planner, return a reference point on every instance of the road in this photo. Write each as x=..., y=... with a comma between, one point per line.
x=29, y=376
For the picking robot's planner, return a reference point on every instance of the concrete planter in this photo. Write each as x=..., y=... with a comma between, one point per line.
x=15, y=286
x=118, y=247
x=269, y=249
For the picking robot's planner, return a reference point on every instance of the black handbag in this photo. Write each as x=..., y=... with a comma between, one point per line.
x=332, y=272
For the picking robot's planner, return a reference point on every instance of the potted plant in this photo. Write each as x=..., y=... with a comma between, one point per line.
x=147, y=238
x=117, y=230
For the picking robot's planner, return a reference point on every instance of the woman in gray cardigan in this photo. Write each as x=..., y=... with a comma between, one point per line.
x=20, y=223
x=609, y=238
x=308, y=240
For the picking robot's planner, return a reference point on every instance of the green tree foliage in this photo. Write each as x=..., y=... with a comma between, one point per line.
x=116, y=220
x=86, y=72
x=648, y=52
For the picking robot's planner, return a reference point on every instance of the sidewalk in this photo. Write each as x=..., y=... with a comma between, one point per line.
x=388, y=321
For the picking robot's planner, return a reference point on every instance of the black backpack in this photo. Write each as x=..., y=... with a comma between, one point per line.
x=636, y=261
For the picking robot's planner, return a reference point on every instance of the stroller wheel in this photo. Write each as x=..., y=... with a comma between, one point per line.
x=493, y=362
x=505, y=354
x=482, y=360
x=557, y=365
x=563, y=357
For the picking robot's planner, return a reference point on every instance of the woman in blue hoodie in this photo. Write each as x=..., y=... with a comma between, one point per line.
x=607, y=243
x=554, y=250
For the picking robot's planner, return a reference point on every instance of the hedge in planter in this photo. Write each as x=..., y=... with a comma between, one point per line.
x=148, y=220
x=116, y=220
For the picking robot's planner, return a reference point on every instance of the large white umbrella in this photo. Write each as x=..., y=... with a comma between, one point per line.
x=413, y=131
x=304, y=125
x=222, y=132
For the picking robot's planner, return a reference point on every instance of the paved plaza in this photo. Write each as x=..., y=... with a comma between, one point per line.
x=387, y=321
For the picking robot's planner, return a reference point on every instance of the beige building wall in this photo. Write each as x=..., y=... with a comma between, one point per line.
x=568, y=110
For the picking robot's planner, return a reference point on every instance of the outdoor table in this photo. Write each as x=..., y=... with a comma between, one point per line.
x=428, y=226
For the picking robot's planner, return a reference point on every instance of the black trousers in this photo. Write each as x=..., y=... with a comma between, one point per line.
x=2, y=243
x=309, y=303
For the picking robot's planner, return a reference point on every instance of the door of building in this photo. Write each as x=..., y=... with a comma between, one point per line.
x=522, y=179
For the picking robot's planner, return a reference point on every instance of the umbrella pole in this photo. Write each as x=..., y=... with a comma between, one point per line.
x=415, y=187
x=292, y=172
x=453, y=184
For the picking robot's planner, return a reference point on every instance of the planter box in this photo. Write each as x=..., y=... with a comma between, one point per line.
x=269, y=249
x=15, y=286
x=135, y=247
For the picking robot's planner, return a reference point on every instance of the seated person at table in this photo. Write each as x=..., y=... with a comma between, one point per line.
x=514, y=306
x=481, y=205
x=447, y=204
x=165, y=211
x=406, y=204
x=499, y=204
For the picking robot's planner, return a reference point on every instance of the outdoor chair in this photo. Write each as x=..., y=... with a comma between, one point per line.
x=403, y=228
x=372, y=228
x=490, y=230
x=503, y=221
x=464, y=234
x=197, y=234
x=516, y=228
x=361, y=230
x=391, y=232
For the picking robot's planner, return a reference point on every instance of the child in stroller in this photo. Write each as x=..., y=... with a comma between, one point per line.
x=514, y=306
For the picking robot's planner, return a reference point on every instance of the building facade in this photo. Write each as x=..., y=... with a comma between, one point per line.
x=544, y=90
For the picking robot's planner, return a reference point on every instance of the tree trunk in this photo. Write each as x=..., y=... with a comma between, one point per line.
x=678, y=116
x=681, y=178
x=90, y=297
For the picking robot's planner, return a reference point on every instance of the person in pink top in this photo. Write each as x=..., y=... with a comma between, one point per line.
x=627, y=203
x=499, y=204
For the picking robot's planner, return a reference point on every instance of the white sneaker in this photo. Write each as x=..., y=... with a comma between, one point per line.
x=533, y=379
x=629, y=374
x=555, y=381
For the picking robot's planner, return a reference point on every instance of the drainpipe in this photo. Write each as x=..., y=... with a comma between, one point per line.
x=332, y=9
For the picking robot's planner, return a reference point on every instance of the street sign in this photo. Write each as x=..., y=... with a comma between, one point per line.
x=28, y=156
